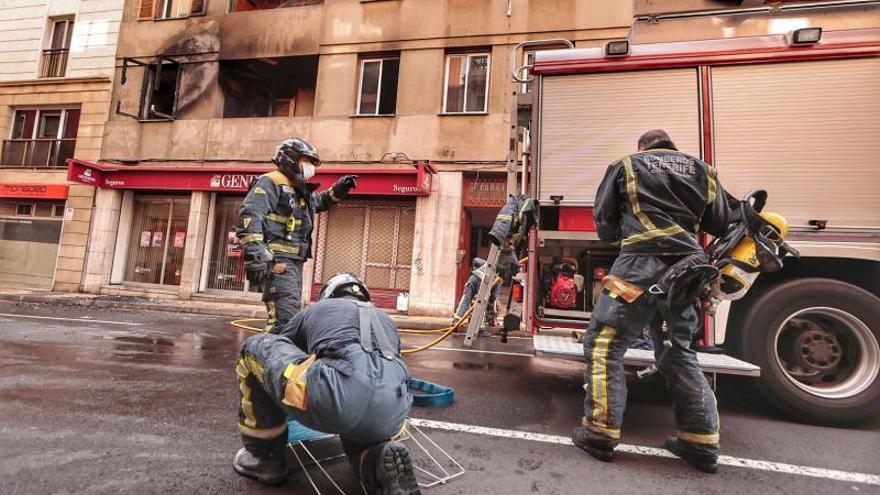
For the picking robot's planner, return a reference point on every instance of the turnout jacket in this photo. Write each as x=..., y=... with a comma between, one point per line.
x=332, y=324
x=278, y=215
x=654, y=202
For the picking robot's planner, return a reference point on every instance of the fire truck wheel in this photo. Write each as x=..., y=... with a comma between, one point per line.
x=817, y=342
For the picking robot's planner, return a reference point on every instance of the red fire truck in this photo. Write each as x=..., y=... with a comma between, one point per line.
x=797, y=115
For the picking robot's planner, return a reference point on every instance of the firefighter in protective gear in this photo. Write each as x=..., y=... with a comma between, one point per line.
x=653, y=203
x=275, y=226
x=470, y=292
x=336, y=368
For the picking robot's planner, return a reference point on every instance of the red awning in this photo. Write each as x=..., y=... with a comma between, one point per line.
x=371, y=181
x=34, y=191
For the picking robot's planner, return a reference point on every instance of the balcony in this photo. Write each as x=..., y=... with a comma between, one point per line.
x=37, y=153
x=54, y=63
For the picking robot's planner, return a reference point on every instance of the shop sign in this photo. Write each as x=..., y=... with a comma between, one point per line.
x=371, y=181
x=158, y=237
x=232, y=182
x=37, y=191
x=146, y=235
x=179, y=239
x=233, y=247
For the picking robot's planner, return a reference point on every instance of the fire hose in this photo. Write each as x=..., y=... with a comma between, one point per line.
x=445, y=332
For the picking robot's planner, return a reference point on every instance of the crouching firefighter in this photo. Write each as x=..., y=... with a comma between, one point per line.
x=275, y=226
x=653, y=203
x=336, y=368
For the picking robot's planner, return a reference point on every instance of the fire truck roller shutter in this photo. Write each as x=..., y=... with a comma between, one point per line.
x=807, y=132
x=590, y=121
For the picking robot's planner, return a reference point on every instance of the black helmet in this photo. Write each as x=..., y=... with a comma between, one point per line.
x=288, y=153
x=477, y=263
x=344, y=284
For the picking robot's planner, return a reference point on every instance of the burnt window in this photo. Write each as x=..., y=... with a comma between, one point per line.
x=246, y=5
x=378, y=87
x=161, y=85
x=269, y=87
x=159, y=100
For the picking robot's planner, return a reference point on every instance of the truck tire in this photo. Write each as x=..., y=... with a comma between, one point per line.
x=817, y=342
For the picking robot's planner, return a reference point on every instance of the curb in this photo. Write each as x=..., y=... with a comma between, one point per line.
x=191, y=307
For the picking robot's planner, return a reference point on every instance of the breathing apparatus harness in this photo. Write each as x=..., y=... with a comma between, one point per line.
x=754, y=244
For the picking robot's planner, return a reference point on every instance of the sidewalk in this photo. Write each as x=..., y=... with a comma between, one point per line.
x=200, y=307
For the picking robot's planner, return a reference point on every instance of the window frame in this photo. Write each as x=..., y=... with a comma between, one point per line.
x=38, y=117
x=67, y=40
x=33, y=209
x=468, y=56
x=360, y=93
x=147, y=67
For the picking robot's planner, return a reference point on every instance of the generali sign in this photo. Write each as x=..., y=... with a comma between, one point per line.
x=34, y=191
x=371, y=181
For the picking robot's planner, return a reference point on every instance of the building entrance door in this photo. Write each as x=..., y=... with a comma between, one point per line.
x=158, y=237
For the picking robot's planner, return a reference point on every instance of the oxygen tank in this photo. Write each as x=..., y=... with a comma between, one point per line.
x=737, y=278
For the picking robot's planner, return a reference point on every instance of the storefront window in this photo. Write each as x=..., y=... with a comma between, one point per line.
x=158, y=237
x=29, y=237
x=226, y=262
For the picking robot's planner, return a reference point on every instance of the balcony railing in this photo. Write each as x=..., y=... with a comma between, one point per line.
x=54, y=62
x=40, y=153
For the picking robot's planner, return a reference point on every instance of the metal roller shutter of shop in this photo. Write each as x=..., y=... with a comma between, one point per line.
x=807, y=132
x=590, y=121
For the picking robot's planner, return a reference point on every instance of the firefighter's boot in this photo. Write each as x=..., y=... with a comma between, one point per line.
x=263, y=460
x=602, y=451
x=707, y=463
x=386, y=469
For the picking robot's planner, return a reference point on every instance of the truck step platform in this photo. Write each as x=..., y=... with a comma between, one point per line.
x=567, y=348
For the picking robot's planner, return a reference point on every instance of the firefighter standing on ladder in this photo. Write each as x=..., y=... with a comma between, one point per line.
x=653, y=203
x=275, y=226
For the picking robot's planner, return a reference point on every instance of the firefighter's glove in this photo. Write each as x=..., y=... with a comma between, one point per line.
x=256, y=272
x=344, y=185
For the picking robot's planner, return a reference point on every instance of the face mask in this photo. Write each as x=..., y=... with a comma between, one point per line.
x=308, y=170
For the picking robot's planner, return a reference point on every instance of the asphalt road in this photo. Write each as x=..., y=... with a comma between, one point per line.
x=141, y=402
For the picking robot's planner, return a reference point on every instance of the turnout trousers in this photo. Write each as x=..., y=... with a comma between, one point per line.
x=358, y=395
x=624, y=309
x=282, y=293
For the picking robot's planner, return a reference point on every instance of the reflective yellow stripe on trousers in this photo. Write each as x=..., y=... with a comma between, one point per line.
x=599, y=376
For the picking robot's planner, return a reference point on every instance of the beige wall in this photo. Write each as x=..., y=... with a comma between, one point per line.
x=92, y=96
x=25, y=32
x=434, y=267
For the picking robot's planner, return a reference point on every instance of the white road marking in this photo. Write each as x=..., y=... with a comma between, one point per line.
x=776, y=467
x=81, y=320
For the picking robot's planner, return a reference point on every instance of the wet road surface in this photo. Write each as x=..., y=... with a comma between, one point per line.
x=144, y=402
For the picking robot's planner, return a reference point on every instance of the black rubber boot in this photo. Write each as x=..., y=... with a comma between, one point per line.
x=262, y=460
x=602, y=451
x=704, y=462
x=386, y=469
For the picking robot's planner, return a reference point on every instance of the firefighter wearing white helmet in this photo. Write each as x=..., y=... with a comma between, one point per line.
x=336, y=368
x=275, y=226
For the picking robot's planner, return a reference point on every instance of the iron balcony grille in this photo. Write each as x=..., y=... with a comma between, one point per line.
x=54, y=62
x=39, y=153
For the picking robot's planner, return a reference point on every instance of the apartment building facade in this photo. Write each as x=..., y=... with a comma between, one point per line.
x=413, y=95
x=57, y=62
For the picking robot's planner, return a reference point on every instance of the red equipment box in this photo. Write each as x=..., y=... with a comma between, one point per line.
x=575, y=218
